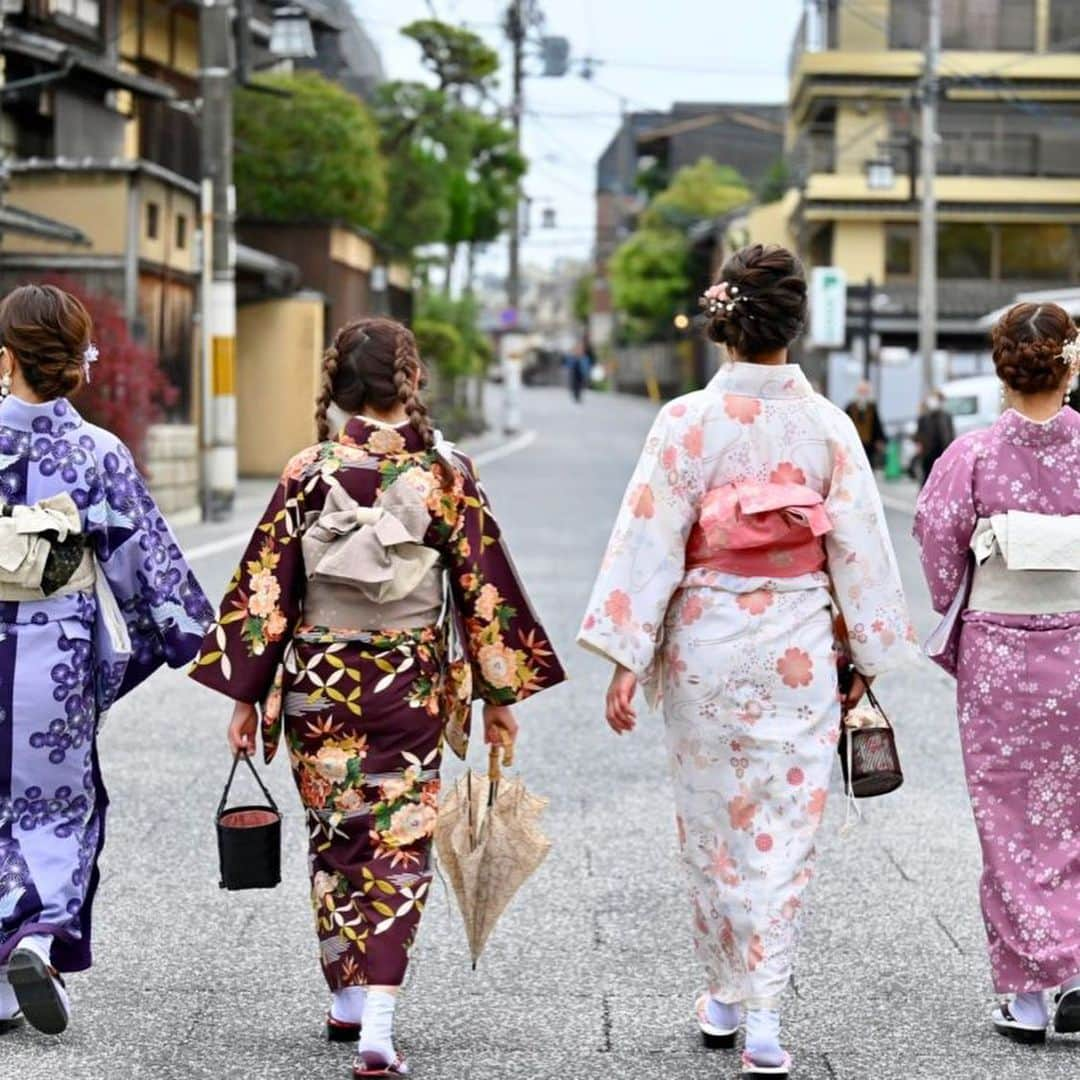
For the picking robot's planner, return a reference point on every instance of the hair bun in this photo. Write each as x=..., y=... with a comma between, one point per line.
x=759, y=305
x=1030, y=343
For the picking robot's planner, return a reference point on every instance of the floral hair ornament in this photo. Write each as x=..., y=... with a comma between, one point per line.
x=720, y=298
x=1070, y=352
x=90, y=356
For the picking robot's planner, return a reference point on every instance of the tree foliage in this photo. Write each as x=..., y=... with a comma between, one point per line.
x=128, y=392
x=651, y=272
x=697, y=193
x=308, y=150
x=459, y=58
x=441, y=346
x=775, y=182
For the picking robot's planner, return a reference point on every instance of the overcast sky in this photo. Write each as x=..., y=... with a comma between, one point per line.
x=652, y=53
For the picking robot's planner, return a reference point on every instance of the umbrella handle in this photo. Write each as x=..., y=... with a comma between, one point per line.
x=499, y=756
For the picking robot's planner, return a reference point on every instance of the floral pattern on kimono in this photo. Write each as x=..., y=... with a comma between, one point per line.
x=362, y=707
x=744, y=665
x=59, y=670
x=1018, y=683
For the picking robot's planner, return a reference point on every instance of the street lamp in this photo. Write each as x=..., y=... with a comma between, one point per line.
x=880, y=174
x=290, y=36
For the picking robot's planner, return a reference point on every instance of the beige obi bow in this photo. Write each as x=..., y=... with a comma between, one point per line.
x=23, y=548
x=377, y=550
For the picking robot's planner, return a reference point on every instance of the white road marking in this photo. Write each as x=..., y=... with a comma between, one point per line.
x=234, y=540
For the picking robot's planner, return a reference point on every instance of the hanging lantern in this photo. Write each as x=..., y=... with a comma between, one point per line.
x=290, y=36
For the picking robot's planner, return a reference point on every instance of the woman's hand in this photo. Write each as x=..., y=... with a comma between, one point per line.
x=500, y=727
x=242, y=728
x=859, y=685
x=620, y=700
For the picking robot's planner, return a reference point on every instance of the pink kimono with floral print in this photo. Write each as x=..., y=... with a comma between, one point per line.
x=751, y=499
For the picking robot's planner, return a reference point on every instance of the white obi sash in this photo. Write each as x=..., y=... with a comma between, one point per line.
x=1026, y=564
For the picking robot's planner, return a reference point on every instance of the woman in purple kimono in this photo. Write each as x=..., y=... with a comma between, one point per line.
x=377, y=543
x=94, y=596
x=999, y=525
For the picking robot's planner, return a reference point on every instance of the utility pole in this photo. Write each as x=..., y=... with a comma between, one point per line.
x=928, y=210
x=516, y=26
x=870, y=292
x=218, y=428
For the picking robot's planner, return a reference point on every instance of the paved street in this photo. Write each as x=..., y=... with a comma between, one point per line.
x=590, y=974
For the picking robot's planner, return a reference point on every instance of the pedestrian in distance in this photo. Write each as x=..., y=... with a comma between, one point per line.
x=578, y=365
x=999, y=526
x=377, y=545
x=95, y=595
x=934, y=434
x=752, y=502
x=864, y=415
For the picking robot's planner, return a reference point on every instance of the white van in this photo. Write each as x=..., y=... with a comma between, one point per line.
x=974, y=403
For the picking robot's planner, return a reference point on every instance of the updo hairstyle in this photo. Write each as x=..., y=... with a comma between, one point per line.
x=1028, y=341
x=48, y=332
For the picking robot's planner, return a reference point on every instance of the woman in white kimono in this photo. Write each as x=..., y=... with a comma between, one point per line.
x=752, y=499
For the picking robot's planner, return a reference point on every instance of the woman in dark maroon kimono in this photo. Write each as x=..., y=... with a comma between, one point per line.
x=375, y=544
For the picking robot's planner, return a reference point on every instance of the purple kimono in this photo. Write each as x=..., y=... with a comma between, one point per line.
x=1018, y=696
x=59, y=669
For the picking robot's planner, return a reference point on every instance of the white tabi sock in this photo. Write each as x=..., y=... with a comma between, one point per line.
x=348, y=1004
x=1030, y=1009
x=377, y=1036
x=41, y=944
x=722, y=1014
x=763, y=1037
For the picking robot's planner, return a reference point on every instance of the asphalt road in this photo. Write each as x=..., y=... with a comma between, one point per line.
x=591, y=973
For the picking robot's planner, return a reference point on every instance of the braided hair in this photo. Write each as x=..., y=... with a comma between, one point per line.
x=373, y=363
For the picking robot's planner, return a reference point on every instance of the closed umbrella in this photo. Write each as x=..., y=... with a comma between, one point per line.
x=489, y=842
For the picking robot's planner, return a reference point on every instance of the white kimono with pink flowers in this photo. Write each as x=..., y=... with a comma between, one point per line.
x=752, y=497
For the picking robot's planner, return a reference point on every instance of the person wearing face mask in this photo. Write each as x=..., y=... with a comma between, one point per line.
x=864, y=415
x=935, y=433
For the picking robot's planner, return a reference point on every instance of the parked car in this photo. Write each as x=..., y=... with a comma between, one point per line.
x=974, y=402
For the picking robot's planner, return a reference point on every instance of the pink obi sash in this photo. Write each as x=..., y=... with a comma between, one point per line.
x=760, y=530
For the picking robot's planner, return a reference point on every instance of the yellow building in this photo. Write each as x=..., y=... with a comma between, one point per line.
x=1008, y=176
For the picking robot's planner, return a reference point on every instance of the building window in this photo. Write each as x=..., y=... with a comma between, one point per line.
x=900, y=243
x=1065, y=25
x=1038, y=252
x=181, y=232
x=153, y=220
x=87, y=12
x=969, y=24
x=965, y=251
x=988, y=24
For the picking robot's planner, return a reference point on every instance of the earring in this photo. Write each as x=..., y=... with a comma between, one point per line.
x=1004, y=397
x=5, y=385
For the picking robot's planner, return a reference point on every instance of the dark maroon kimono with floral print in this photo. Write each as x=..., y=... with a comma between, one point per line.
x=363, y=716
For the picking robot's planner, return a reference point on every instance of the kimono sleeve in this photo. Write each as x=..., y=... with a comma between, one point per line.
x=507, y=646
x=862, y=563
x=646, y=555
x=945, y=519
x=244, y=647
x=158, y=596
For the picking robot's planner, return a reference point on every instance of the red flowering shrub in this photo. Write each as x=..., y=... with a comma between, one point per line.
x=128, y=391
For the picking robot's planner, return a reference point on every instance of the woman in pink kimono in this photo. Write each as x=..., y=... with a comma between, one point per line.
x=999, y=525
x=752, y=499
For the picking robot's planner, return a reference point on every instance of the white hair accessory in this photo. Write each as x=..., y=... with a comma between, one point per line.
x=90, y=356
x=1070, y=352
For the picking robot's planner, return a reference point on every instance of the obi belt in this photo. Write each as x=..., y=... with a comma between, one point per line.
x=367, y=566
x=760, y=530
x=1026, y=564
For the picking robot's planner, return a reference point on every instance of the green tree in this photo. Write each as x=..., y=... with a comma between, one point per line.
x=583, y=294
x=308, y=149
x=649, y=279
x=775, y=182
x=459, y=58
x=697, y=193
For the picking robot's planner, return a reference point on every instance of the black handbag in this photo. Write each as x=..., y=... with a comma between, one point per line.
x=868, y=756
x=249, y=839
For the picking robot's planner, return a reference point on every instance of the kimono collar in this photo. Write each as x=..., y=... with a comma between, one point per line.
x=1017, y=429
x=762, y=380
x=48, y=417
x=378, y=437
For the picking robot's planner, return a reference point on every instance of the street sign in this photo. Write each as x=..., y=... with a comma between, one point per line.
x=828, y=307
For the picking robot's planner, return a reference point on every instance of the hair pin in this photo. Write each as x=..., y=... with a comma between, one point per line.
x=90, y=356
